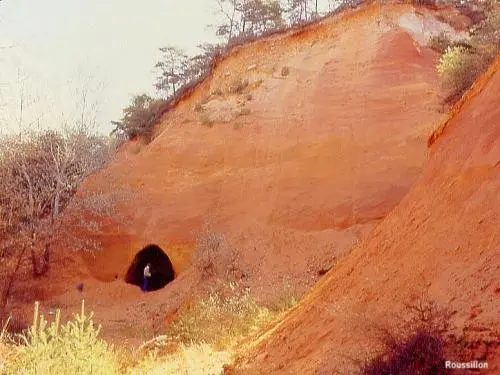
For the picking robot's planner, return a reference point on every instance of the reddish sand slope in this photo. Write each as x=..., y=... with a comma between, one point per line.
x=317, y=158
x=442, y=239
x=295, y=170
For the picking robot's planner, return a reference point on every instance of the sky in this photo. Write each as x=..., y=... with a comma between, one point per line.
x=53, y=52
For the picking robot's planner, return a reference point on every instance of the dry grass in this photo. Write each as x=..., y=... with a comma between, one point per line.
x=207, y=333
x=75, y=348
x=221, y=319
x=193, y=359
x=202, y=340
x=52, y=348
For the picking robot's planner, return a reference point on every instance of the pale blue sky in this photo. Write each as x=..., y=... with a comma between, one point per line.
x=58, y=47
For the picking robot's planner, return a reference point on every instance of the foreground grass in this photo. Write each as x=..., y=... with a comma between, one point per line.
x=188, y=359
x=201, y=340
x=51, y=348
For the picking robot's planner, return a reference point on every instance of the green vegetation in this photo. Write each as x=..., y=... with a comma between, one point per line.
x=139, y=117
x=221, y=319
x=199, y=107
x=201, y=339
x=459, y=68
x=40, y=172
x=462, y=63
x=178, y=74
x=73, y=348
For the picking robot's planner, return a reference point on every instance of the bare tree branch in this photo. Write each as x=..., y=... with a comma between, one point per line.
x=39, y=175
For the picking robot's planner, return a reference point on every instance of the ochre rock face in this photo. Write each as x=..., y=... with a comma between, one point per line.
x=442, y=241
x=295, y=168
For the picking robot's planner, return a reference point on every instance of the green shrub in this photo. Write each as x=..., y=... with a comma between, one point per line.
x=463, y=62
x=74, y=348
x=140, y=117
x=459, y=68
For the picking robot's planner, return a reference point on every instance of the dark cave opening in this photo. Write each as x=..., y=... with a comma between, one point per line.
x=162, y=271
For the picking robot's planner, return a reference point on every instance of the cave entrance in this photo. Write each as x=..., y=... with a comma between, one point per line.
x=162, y=271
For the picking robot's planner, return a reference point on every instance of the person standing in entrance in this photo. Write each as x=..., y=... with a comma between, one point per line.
x=147, y=275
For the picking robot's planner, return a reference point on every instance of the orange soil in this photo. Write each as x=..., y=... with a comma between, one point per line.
x=443, y=240
x=323, y=155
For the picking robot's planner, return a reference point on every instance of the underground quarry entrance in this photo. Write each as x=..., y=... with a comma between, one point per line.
x=162, y=271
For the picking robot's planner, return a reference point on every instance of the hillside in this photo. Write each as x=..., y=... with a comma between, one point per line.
x=442, y=241
x=294, y=149
x=307, y=160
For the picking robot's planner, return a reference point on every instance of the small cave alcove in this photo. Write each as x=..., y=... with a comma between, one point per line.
x=162, y=271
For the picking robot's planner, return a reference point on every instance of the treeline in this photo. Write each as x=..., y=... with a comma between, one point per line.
x=241, y=21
